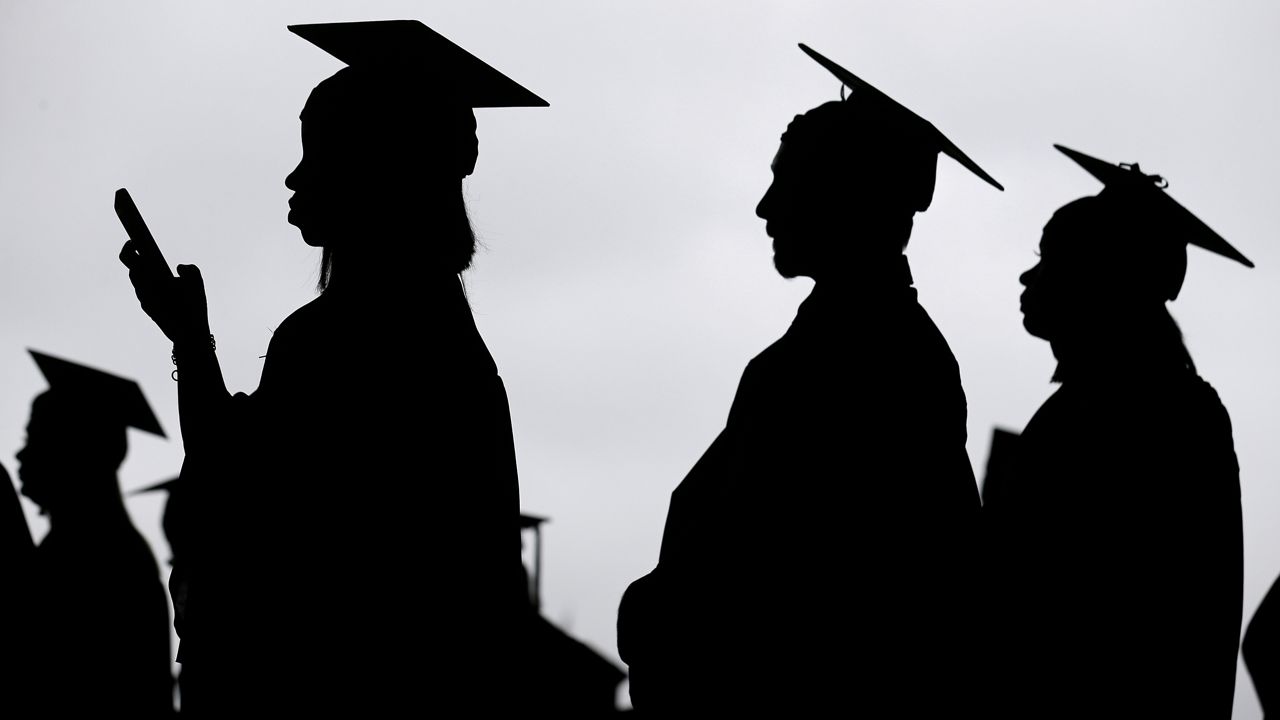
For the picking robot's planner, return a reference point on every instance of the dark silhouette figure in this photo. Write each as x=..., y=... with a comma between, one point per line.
x=96, y=619
x=1261, y=651
x=564, y=677
x=845, y=446
x=1002, y=458
x=15, y=537
x=561, y=677
x=1116, y=540
x=16, y=555
x=174, y=524
x=353, y=543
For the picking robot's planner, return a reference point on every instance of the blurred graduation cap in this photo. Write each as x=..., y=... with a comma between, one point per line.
x=534, y=523
x=174, y=530
x=105, y=397
x=1146, y=194
x=410, y=47
x=564, y=676
x=905, y=131
x=162, y=486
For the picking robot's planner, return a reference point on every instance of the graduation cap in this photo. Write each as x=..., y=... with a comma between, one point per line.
x=908, y=127
x=105, y=397
x=1146, y=193
x=535, y=523
x=174, y=530
x=163, y=486
x=410, y=48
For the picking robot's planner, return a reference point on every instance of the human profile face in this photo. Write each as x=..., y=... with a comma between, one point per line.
x=1032, y=304
x=794, y=217
x=323, y=204
x=40, y=464
x=1057, y=290
x=367, y=171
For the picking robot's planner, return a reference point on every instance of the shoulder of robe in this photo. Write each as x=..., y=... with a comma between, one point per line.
x=306, y=321
x=927, y=343
x=1207, y=397
x=1189, y=405
x=291, y=339
x=1208, y=415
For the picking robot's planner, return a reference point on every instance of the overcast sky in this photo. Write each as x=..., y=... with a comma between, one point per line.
x=625, y=281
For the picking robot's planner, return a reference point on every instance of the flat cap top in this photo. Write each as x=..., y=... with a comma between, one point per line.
x=921, y=130
x=1133, y=186
x=409, y=47
x=106, y=396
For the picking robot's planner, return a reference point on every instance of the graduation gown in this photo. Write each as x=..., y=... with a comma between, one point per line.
x=1117, y=551
x=16, y=554
x=357, y=539
x=98, y=621
x=1261, y=651
x=815, y=558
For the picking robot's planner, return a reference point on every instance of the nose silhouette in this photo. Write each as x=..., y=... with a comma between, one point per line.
x=766, y=202
x=1029, y=276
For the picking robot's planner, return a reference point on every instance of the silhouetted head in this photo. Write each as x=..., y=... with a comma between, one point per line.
x=845, y=190
x=68, y=451
x=1099, y=262
x=1110, y=262
x=381, y=170
x=848, y=179
x=76, y=434
x=386, y=144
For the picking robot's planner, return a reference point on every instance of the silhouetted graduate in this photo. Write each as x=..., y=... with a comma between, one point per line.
x=16, y=546
x=173, y=524
x=16, y=553
x=816, y=557
x=356, y=547
x=98, y=619
x=560, y=676
x=1117, y=539
x=1261, y=651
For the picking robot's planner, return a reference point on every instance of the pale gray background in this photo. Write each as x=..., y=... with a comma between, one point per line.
x=625, y=281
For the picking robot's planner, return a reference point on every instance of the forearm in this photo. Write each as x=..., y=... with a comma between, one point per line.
x=202, y=392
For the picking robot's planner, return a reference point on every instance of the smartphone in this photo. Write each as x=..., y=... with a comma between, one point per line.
x=142, y=239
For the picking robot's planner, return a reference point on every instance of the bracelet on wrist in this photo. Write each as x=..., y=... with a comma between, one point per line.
x=213, y=346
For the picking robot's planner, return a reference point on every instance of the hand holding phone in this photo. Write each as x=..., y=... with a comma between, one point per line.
x=176, y=303
x=143, y=241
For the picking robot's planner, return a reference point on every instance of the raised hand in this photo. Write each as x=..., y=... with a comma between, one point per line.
x=177, y=305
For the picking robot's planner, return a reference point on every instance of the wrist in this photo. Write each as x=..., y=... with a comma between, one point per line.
x=190, y=348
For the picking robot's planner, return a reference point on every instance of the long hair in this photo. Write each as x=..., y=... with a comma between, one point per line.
x=1131, y=264
x=416, y=149
x=450, y=244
